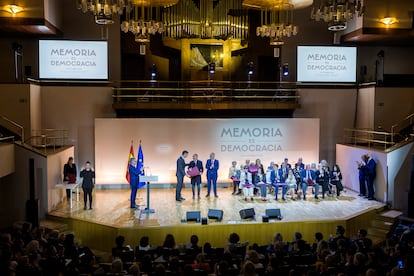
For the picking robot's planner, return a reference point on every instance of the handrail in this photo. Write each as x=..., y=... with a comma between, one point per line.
x=371, y=136
x=5, y=138
x=48, y=137
x=408, y=118
x=368, y=131
x=16, y=125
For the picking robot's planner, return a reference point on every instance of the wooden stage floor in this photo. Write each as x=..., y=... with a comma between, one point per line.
x=111, y=216
x=111, y=207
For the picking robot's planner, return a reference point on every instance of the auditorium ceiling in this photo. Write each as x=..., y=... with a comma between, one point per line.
x=44, y=18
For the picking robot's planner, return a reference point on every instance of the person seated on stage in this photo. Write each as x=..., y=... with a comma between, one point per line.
x=286, y=161
x=336, y=179
x=308, y=177
x=234, y=175
x=300, y=163
x=322, y=179
x=246, y=183
x=270, y=167
x=125, y=253
x=275, y=178
x=283, y=173
x=296, y=172
x=291, y=183
x=260, y=182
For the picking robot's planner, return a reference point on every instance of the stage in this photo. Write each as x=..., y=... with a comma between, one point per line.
x=112, y=216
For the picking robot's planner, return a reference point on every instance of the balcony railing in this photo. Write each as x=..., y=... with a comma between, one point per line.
x=205, y=94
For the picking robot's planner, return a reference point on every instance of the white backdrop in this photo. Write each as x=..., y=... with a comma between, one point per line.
x=231, y=139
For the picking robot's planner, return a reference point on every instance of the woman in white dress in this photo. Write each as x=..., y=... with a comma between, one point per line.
x=291, y=184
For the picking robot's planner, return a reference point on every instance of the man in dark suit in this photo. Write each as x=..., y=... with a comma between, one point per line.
x=370, y=176
x=212, y=166
x=308, y=177
x=196, y=179
x=133, y=181
x=283, y=172
x=180, y=175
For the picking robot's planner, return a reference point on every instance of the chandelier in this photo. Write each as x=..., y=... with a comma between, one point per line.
x=206, y=19
x=142, y=20
x=337, y=12
x=277, y=24
x=103, y=10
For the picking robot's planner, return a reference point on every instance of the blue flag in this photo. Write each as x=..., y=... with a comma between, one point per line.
x=140, y=165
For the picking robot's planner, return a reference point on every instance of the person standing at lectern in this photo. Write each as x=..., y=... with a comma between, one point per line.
x=88, y=176
x=180, y=173
x=69, y=175
x=133, y=180
x=212, y=166
x=196, y=179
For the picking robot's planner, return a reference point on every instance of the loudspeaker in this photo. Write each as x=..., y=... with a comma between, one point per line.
x=204, y=221
x=265, y=219
x=193, y=216
x=273, y=213
x=247, y=213
x=215, y=214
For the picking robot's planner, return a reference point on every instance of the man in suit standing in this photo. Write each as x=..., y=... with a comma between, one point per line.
x=180, y=175
x=212, y=166
x=134, y=173
x=370, y=176
x=196, y=179
x=308, y=177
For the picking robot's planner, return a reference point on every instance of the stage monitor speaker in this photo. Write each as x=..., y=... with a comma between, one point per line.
x=204, y=221
x=273, y=213
x=193, y=216
x=215, y=214
x=247, y=213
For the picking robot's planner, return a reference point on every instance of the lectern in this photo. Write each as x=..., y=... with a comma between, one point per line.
x=148, y=179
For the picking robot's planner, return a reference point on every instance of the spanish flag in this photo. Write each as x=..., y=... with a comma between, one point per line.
x=131, y=155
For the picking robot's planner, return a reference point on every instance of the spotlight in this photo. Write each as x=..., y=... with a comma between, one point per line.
x=154, y=73
x=212, y=68
x=285, y=69
x=250, y=68
x=380, y=54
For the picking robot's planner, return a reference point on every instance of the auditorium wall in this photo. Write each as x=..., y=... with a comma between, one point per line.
x=336, y=110
x=74, y=108
x=365, y=108
x=392, y=104
x=15, y=104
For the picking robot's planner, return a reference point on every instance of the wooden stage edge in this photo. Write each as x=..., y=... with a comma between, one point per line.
x=98, y=228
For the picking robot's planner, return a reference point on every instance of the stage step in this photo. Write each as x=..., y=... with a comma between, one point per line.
x=382, y=225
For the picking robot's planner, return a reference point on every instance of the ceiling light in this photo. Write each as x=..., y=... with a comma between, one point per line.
x=388, y=20
x=13, y=8
x=337, y=12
